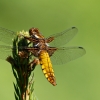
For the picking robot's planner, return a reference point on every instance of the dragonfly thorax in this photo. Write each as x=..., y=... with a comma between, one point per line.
x=41, y=45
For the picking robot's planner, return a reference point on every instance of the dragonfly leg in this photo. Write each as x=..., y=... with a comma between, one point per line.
x=33, y=40
x=33, y=64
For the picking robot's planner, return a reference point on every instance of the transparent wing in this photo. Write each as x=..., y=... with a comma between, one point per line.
x=66, y=54
x=6, y=35
x=63, y=37
x=5, y=51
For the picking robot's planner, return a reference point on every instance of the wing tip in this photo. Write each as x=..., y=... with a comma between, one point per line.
x=82, y=48
x=73, y=27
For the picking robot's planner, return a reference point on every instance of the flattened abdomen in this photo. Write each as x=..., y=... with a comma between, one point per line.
x=47, y=67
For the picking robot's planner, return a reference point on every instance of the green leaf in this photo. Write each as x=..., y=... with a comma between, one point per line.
x=15, y=74
x=16, y=97
x=17, y=90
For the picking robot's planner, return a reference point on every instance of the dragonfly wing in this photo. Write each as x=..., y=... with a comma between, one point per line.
x=5, y=51
x=66, y=54
x=62, y=38
x=6, y=35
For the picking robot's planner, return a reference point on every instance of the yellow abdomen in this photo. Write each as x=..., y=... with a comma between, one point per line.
x=47, y=67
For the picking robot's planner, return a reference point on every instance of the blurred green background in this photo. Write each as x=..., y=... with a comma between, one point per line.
x=76, y=80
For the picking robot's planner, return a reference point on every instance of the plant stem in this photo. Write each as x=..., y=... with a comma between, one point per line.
x=22, y=66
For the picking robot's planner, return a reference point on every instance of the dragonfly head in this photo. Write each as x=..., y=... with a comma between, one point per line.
x=34, y=32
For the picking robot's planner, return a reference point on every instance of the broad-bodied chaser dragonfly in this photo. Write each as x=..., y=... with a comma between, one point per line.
x=47, y=50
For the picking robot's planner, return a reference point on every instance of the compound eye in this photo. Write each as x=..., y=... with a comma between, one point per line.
x=33, y=31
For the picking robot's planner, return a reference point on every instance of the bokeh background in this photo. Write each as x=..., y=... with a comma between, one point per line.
x=76, y=80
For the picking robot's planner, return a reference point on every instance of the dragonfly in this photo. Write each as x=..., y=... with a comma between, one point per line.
x=49, y=51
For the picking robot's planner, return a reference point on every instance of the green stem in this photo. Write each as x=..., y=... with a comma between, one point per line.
x=23, y=67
